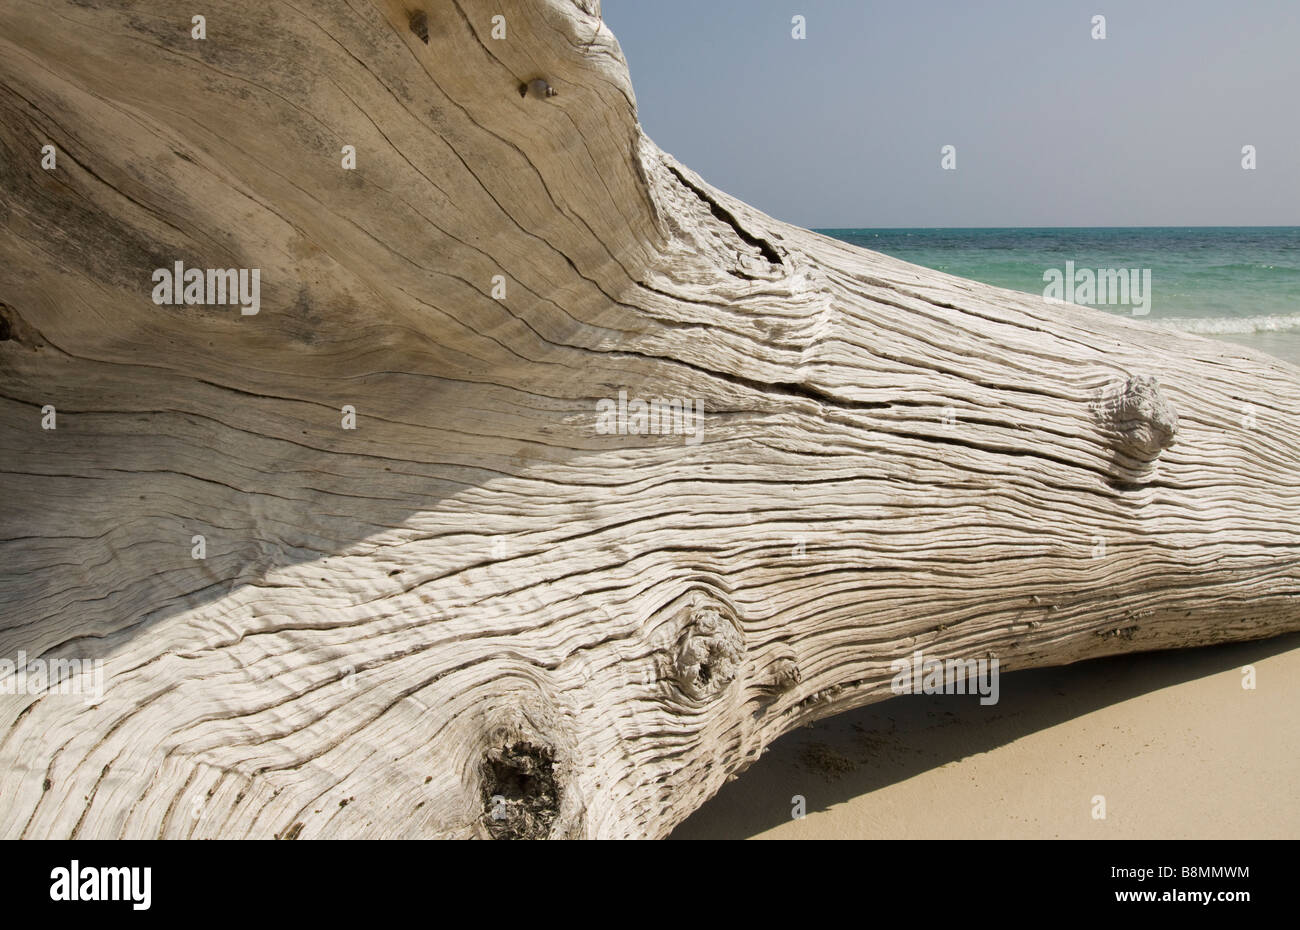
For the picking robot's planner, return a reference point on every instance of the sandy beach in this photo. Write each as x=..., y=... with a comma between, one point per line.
x=1284, y=344
x=1171, y=739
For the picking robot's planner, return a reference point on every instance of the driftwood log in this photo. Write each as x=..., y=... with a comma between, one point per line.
x=421, y=548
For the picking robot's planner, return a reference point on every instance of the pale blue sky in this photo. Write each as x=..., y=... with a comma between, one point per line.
x=1052, y=128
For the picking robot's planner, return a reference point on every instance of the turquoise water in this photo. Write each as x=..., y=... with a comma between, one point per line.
x=1217, y=281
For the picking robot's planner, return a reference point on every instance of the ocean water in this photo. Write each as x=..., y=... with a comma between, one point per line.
x=1236, y=283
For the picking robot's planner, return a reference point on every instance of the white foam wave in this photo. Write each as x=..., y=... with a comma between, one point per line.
x=1220, y=326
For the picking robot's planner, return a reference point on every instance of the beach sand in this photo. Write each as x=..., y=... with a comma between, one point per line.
x=1285, y=344
x=1171, y=739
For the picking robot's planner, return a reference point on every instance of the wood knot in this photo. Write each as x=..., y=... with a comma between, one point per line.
x=710, y=651
x=420, y=26
x=539, y=88
x=786, y=674
x=521, y=794
x=1141, y=419
x=519, y=768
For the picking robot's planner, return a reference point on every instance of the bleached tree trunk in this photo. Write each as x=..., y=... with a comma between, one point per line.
x=477, y=613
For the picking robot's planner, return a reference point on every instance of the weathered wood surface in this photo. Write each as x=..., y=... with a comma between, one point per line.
x=476, y=593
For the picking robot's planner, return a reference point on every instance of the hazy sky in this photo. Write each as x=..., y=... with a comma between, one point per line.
x=1051, y=127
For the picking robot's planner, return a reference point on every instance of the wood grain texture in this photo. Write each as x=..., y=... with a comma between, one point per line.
x=476, y=593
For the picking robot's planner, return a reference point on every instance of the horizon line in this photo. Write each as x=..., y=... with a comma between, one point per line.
x=1155, y=226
